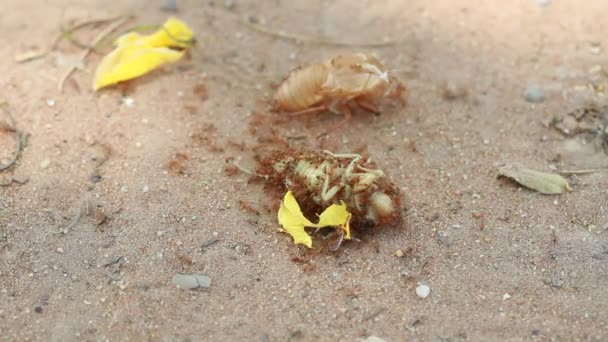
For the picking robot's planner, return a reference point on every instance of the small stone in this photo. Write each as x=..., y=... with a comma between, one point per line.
x=45, y=163
x=138, y=144
x=506, y=296
x=50, y=102
x=146, y=188
x=60, y=250
x=169, y=6
x=595, y=48
x=399, y=253
x=38, y=309
x=596, y=69
x=374, y=339
x=128, y=101
x=229, y=4
x=534, y=93
x=423, y=291
x=543, y=3
x=191, y=281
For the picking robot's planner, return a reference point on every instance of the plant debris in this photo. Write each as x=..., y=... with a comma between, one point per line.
x=136, y=54
x=191, y=281
x=9, y=126
x=545, y=183
x=119, y=21
x=590, y=121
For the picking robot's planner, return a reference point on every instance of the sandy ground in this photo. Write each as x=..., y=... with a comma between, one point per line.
x=502, y=262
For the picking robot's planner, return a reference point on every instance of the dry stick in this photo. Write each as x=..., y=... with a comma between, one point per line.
x=63, y=34
x=19, y=139
x=582, y=172
x=102, y=35
x=312, y=40
x=82, y=24
x=67, y=33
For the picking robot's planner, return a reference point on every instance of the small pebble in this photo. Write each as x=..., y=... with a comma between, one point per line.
x=50, y=102
x=45, y=163
x=138, y=144
x=543, y=3
x=146, y=188
x=595, y=48
x=128, y=101
x=60, y=250
x=374, y=339
x=399, y=253
x=229, y=4
x=191, y=281
x=169, y=6
x=423, y=291
x=534, y=93
x=506, y=296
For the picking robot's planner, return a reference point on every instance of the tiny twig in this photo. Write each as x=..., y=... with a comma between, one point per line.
x=19, y=138
x=582, y=172
x=209, y=243
x=311, y=39
x=73, y=223
x=80, y=25
x=102, y=35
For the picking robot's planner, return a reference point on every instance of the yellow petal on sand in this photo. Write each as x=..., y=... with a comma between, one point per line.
x=174, y=33
x=293, y=221
x=136, y=54
x=337, y=216
x=129, y=62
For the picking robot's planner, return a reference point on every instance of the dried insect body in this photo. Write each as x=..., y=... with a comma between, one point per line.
x=357, y=79
x=318, y=180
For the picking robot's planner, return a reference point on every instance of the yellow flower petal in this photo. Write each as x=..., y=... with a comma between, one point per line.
x=125, y=63
x=136, y=54
x=336, y=215
x=293, y=221
x=173, y=33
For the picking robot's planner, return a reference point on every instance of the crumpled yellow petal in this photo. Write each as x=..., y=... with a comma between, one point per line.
x=136, y=54
x=128, y=62
x=294, y=222
x=336, y=215
x=173, y=33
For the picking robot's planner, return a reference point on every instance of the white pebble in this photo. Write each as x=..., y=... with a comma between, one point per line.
x=128, y=101
x=45, y=163
x=423, y=291
x=50, y=102
x=506, y=296
x=60, y=250
x=374, y=339
x=146, y=188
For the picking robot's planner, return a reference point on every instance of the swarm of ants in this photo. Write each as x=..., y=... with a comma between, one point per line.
x=319, y=179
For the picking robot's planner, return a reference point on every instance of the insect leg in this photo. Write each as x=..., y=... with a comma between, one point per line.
x=334, y=246
x=368, y=105
x=328, y=194
x=344, y=110
x=310, y=110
